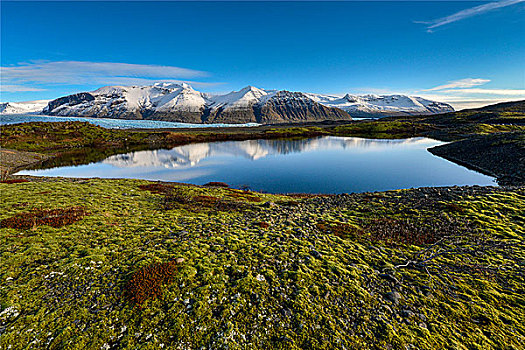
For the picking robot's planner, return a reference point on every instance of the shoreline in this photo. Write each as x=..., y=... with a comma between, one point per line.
x=489, y=154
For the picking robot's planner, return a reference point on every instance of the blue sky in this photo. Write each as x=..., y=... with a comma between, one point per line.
x=466, y=53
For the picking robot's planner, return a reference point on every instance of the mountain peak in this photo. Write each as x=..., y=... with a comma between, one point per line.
x=180, y=102
x=168, y=85
x=250, y=88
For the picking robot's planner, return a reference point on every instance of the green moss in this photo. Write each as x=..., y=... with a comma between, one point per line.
x=289, y=286
x=382, y=129
x=50, y=137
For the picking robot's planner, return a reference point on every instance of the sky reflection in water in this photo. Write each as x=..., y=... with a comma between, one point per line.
x=319, y=165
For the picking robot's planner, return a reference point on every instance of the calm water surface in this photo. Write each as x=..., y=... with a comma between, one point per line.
x=319, y=165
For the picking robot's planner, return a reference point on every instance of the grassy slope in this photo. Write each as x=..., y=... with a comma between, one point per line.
x=55, y=137
x=291, y=285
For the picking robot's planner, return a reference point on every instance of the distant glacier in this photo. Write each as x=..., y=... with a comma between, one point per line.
x=109, y=123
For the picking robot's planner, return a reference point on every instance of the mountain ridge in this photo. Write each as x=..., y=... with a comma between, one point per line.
x=182, y=103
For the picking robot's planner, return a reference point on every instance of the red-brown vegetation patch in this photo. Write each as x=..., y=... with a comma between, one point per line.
x=206, y=199
x=14, y=181
x=453, y=207
x=392, y=231
x=217, y=184
x=51, y=217
x=307, y=195
x=340, y=229
x=147, y=282
x=156, y=188
x=420, y=231
x=262, y=224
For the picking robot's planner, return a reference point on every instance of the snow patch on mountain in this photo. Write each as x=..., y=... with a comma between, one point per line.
x=23, y=107
x=181, y=103
x=244, y=98
x=382, y=105
x=119, y=101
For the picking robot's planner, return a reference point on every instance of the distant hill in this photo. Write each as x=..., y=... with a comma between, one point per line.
x=378, y=106
x=23, y=107
x=500, y=113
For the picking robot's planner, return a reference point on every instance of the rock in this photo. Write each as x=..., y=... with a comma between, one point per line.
x=269, y=205
x=393, y=297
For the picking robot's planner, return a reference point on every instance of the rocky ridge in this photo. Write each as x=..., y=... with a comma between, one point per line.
x=182, y=103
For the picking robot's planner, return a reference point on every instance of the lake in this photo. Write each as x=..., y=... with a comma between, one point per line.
x=317, y=165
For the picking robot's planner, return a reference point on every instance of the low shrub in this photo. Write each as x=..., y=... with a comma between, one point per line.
x=217, y=184
x=262, y=224
x=420, y=231
x=14, y=181
x=339, y=229
x=156, y=188
x=52, y=217
x=147, y=282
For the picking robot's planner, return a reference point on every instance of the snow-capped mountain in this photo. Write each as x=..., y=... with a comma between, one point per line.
x=23, y=107
x=161, y=101
x=382, y=105
x=182, y=103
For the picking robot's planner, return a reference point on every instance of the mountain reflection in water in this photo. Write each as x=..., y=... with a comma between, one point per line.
x=191, y=155
x=317, y=165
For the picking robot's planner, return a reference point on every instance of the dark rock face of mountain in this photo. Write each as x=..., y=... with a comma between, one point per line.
x=177, y=103
x=283, y=107
x=70, y=100
x=286, y=106
x=176, y=116
x=231, y=116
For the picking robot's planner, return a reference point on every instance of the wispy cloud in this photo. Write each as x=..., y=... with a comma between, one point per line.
x=462, y=83
x=459, y=101
x=39, y=75
x=474, y=11
x=463, y=93
x=467, y=86
x=19, y=88
x=501, y=92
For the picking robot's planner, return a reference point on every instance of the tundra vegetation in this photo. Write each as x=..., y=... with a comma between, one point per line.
x=100, y=264
x=151, y=265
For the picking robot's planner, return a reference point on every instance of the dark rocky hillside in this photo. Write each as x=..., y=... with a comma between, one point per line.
x=294, y=106
x=501, y=113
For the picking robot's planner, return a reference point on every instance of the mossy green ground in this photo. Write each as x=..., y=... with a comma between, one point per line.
x=242, y=286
